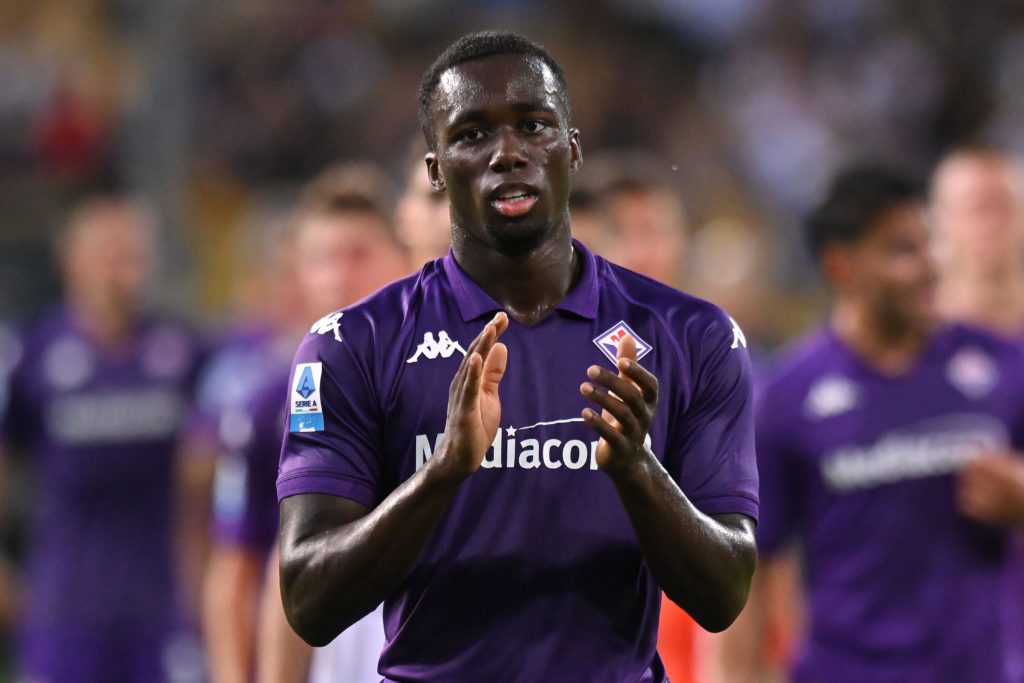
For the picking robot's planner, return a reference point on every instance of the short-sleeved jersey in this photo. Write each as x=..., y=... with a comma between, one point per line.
x=861, y=467
x=101, y=427
x=244, y=500
x=535, y=572
x=237, y=364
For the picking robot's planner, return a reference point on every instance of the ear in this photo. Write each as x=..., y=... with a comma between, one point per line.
x=434, y=172
x=575, y=149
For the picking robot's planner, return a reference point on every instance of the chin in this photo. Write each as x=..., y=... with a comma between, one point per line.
x=518, y=236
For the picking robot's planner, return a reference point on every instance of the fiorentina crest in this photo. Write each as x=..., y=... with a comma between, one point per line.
x=608, y=342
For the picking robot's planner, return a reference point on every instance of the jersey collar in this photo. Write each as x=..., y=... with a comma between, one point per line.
x=474, y=302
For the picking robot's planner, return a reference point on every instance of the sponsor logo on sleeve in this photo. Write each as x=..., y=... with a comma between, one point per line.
x=328, y=323
x=609, y=340
x=306, y=407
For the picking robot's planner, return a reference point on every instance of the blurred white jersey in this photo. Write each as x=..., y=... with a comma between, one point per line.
x=352, y=657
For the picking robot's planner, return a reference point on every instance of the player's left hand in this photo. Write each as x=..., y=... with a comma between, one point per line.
x=990, y=489
x=627, y=401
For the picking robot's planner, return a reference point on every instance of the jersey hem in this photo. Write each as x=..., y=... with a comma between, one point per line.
x=734, y=502
x=325, y=483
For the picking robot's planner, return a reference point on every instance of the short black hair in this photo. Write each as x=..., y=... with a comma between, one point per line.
x=857, y=199
x=479, y=45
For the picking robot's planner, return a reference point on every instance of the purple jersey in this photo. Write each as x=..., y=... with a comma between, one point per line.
x=227, y=380
x=101, y=428
x=535, y=569
x=245, y=504
x=861, y=468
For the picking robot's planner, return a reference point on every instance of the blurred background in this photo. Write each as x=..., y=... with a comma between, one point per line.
x=208, y=108
x=216, y=112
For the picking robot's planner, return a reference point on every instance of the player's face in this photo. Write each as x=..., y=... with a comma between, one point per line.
x=504, y=150
x=422, y=217
x=891, y=270
x=344, y=257
x=650, y=234
x=978, y=208
x=108, y=257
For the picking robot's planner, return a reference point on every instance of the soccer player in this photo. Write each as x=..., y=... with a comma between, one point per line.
x=343, y=248
x=594, y=447
x=977, y=204
x=862, y=430
x=647, y=216
x=421, y=215
x=96, y=401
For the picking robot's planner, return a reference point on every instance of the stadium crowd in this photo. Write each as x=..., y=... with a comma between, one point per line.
x=715, y=137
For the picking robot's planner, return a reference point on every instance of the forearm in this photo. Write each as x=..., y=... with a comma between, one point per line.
x=331, y=579
x=282, y=657
x=703, y=565
x=230, y=599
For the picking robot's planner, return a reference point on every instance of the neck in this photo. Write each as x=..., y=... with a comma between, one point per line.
x=994, y=300
x=106, y=323
x=891, y=349
x=527, y=285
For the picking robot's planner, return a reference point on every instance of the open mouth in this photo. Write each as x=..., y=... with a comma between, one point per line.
x=512, y=203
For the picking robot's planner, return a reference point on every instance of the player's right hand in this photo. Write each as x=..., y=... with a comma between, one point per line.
x=474, y=407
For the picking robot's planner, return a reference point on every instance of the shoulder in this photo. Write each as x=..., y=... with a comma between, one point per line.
x=963, y=334
x=798, y=365
x=980, y=352
x=373, y=324
x=684, y=313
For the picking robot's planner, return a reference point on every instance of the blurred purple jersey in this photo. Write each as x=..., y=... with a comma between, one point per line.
x=101, y=428
x=861, y=468
x=236, y=366
x=245, y=501
x=535, y=572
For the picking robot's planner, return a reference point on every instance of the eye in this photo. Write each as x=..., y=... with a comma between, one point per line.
x=534, y=126
x=471, y=135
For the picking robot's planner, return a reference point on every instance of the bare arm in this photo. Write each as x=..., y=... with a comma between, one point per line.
x=230, y=598
x=704, y=564
x=282, y=657
x=340, y=560
x=194, y=468
x=758, y=647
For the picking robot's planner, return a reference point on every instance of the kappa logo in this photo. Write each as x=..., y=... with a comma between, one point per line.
x=608, y=342
x=738, y=338
x=328, y=323
x=431, y=348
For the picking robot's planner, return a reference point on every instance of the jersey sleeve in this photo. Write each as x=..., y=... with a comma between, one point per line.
x=332, y=442
x=711, y=445
x=779, y=491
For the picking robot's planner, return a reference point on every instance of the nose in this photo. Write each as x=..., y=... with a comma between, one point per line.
x=509, y=153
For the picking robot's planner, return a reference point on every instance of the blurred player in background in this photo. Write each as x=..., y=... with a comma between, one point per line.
x=342, y=248
x=862, y=430
x=621, y=205
x=421, y=215
x=649, y=226
x=590, y=223
x=262, y=310
x=97, y=402
x=977, y=205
